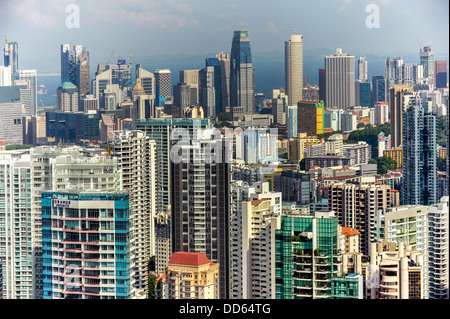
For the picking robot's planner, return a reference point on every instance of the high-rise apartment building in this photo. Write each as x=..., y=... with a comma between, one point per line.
x=136, y=156
x=395, y=273
x=85, y=245
x=356, y=206
x=396, y=94
x=200, y=202
x=409, y=224
x=15, y=225
x=165, y=133
x=419, y=165
x=292, y=120
x=293, y=68
x=340, y=80
x=242, y=73
x=438, y=250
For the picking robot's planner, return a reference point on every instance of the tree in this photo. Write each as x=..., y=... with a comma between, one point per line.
x=152, y=287
x=384, y=164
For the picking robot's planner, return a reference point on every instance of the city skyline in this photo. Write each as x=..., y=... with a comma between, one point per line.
x=193, y=28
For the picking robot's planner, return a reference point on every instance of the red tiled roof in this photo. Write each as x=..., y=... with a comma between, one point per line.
x=259, y=201
x=350, y=231
x=189, y=258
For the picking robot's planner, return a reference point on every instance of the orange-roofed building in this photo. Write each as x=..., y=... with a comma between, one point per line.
x=2, y=146
x=349, y=240
x=190, y=275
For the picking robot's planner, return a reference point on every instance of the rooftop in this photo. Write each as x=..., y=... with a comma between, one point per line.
x=189, y=258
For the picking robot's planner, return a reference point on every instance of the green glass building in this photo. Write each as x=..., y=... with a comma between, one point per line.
x=306, y=256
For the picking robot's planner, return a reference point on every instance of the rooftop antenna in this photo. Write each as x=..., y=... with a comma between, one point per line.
x=295, y=31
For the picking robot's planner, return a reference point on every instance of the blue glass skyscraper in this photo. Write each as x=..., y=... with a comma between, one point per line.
x=242, y=73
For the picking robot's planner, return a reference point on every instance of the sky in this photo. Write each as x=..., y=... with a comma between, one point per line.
x=112, y=28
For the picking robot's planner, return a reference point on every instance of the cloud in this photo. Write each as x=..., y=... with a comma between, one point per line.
x=32, y=14
x=344, y=4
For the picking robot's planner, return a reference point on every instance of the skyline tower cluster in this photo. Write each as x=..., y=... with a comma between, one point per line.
x=147, y=186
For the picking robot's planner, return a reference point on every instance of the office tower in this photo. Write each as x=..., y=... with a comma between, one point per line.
x=182, y=95
x=121, y=74
x=393, y=72
x=147, y=80
x=381, y=112
x=187, y=269
x=310, y=117
x=427, y=60
x=332, y=119
x=419, y=186
x=160, y=130
x=363, y=93
x=409, y=224
x=136, y=156
x=396, y=107
x=279, y=106
x=438, y=249
x=440, y=74
x=11, y=58
x=5, y=75
x=379, y=89
x=219, y=65
x=11, y=115
x=224, y=62
x=306, y=251
x=15, y=225
x=340, y=80
x=293, y=68
x=41, y=172
x=200, y=202
x=30, y=76
x=82, y=70
x=362, y=69
x=242, y=73
x=88, y=103
x=67, y=97
x=67, y=127
x=68, y=64
x=207, y=90
x=86, y=225
x=356, y=205
x=191, y=78
x=396, y=273
x=322, y=85
x=163, y=85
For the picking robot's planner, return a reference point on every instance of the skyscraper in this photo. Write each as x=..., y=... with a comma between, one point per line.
x=75, y=67
x=224, y=61
x=200, y=200
x=395, y=112
x=11, y=57
x=242, y=73
x=293, y=68
x=207, y=90
x=67, y=97
x=440, y=74
x=30, y=77
x=378, y=89
x=340, y=80
x=419, y=186
x=362, y=69
x=163, y=85
x=427, y=60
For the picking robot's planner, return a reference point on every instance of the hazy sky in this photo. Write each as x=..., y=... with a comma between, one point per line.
x=160, y=27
